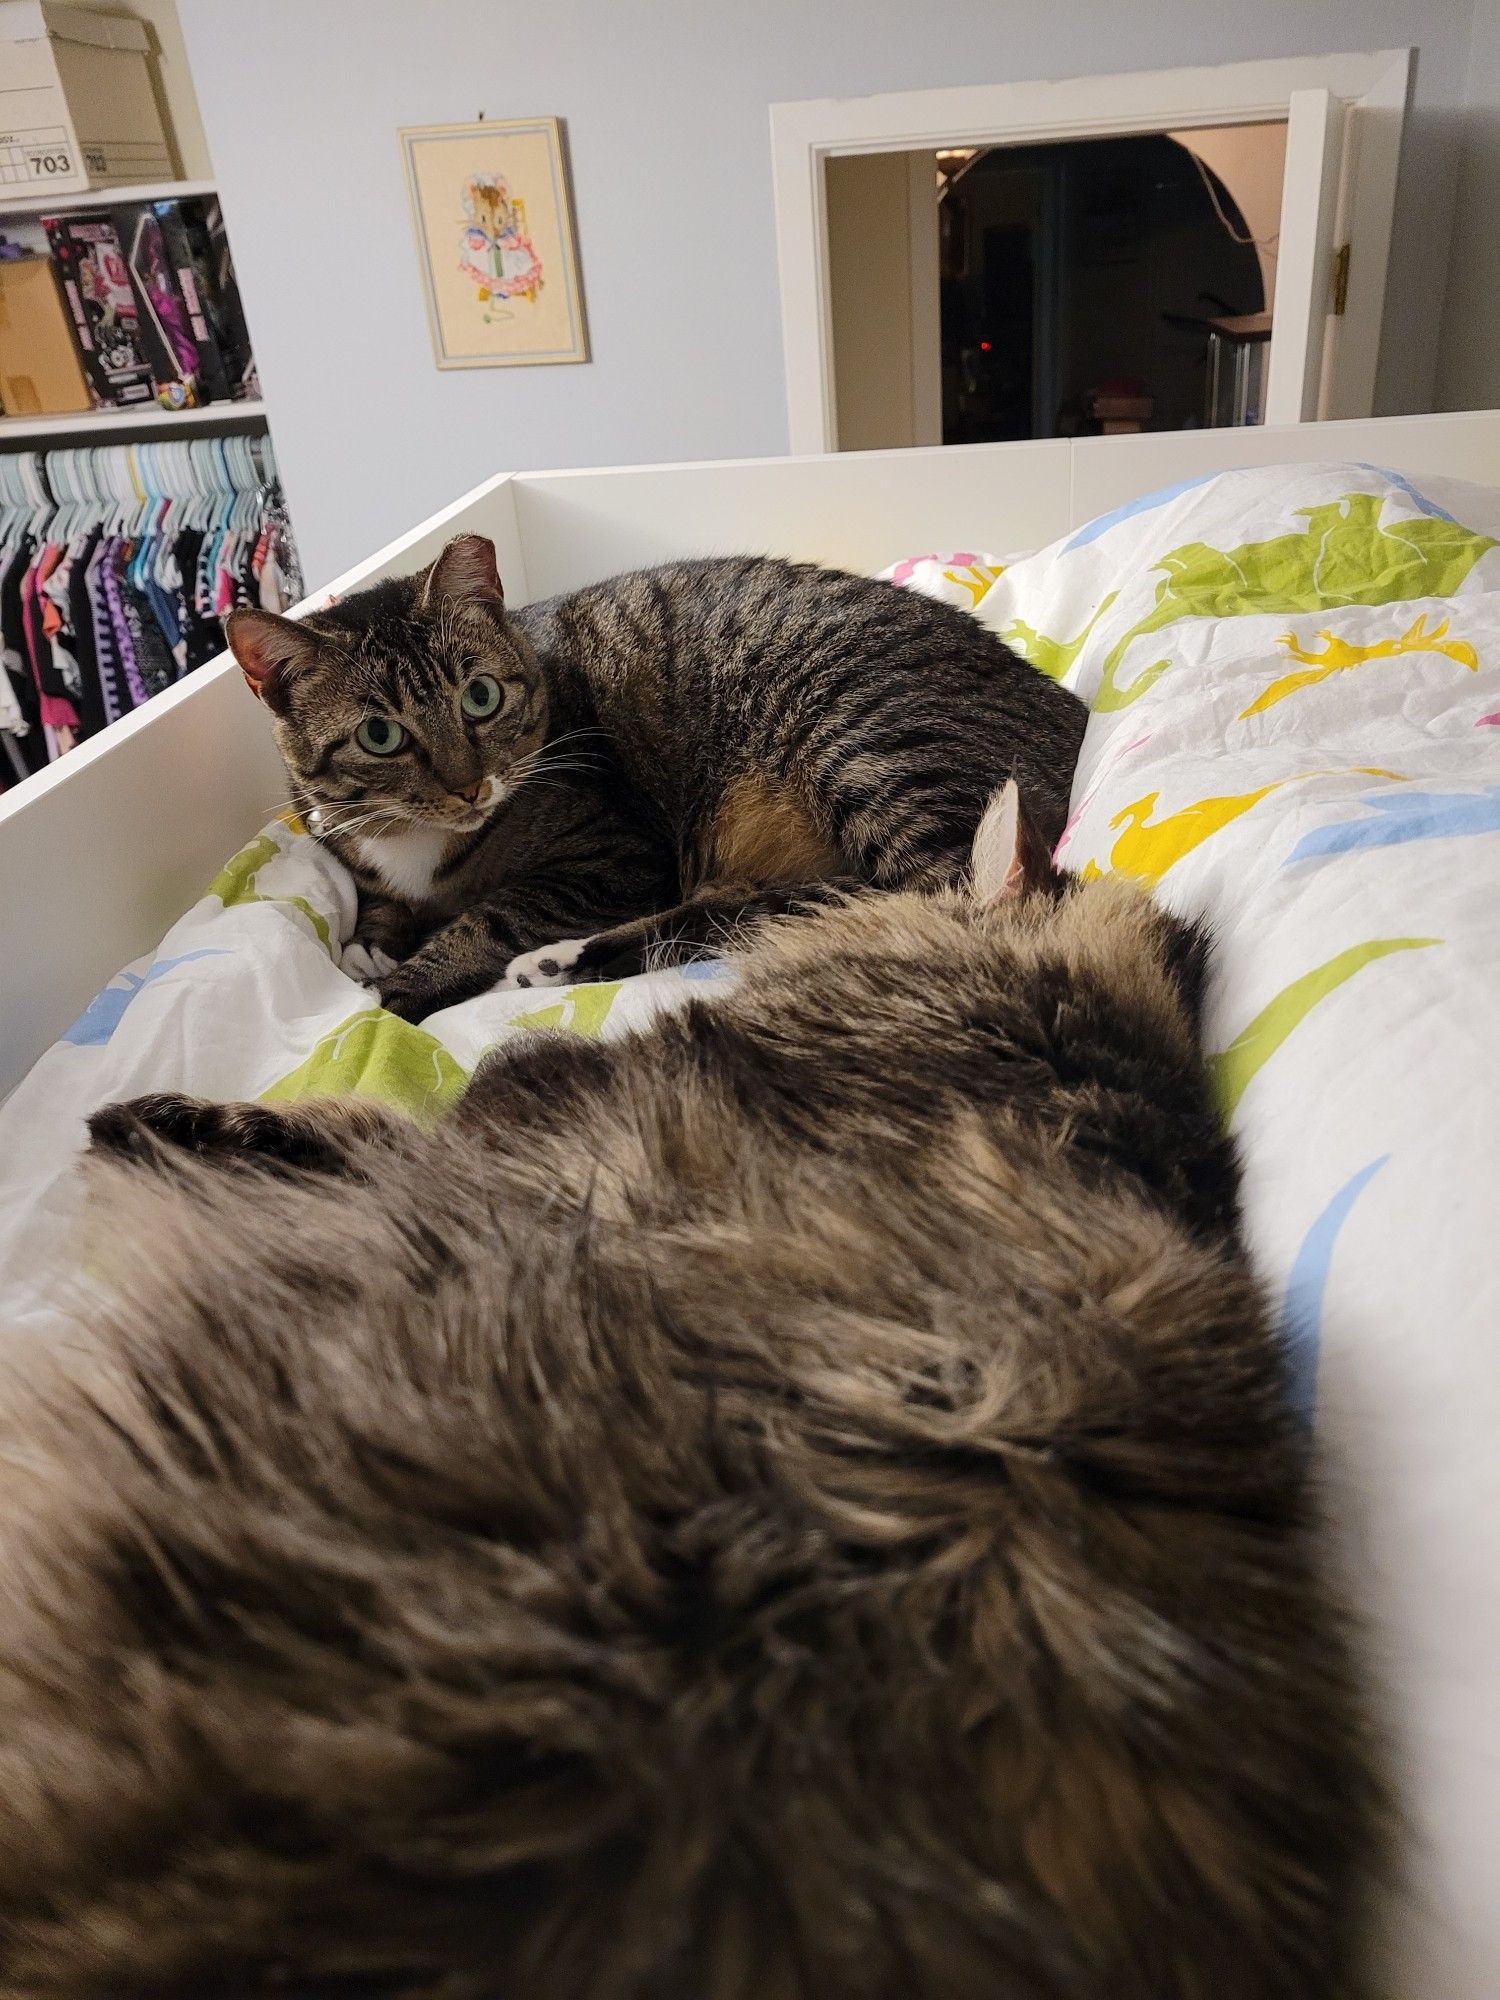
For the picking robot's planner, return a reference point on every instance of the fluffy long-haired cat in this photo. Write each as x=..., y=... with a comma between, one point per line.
x=797, y=1505
x=549, y=792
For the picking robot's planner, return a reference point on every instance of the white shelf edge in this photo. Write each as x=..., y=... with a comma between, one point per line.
x=104, y=424
x=57, y=201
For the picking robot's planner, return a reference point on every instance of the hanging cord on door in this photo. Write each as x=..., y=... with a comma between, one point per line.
x=1266, y=243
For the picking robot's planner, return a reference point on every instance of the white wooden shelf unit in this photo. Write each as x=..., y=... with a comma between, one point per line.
x=59, y=201
x=132, y=424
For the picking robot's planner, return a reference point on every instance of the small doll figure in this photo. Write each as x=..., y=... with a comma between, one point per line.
x=498, y=255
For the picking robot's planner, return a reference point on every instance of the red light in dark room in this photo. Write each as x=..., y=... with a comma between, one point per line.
x=984, y=347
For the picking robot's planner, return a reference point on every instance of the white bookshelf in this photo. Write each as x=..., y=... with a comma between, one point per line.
x=57, y=201
x=132, y=424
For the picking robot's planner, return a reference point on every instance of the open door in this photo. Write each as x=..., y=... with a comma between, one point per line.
x=884, y=300
x=1338, y=200
x=1305, y=272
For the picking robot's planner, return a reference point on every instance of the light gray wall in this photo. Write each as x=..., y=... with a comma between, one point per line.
x=1469, y=361
x=666, y=108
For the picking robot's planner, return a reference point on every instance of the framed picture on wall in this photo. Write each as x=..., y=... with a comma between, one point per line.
x=494, y=230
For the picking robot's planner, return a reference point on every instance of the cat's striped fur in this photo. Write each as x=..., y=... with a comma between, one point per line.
x=675, y=747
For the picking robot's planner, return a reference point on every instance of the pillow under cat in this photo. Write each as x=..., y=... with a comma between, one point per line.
x=544, y=794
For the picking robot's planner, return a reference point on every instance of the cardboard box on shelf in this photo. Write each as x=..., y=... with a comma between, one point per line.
x=40, y=373
x=77, y=109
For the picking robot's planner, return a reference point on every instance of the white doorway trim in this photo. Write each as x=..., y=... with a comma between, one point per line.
x=804, y=135
x=1315, y=139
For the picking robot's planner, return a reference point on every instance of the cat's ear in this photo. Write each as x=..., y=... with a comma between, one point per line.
x=466, y=572
x=1009, y=855
x=270, y=650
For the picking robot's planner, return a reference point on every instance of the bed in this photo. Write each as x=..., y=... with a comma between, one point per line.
x=1290, y=643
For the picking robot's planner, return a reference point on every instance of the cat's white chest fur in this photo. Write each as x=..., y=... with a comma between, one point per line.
x=406, y=862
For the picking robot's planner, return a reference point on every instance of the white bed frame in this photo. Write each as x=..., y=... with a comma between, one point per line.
x=100, y=853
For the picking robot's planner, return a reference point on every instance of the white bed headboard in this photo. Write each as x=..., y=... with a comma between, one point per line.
x=863, y=509
x=101, y=852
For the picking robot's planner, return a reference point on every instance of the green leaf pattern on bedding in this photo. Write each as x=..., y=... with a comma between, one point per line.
x=376, y=1054
x=235, y=881
x=235, y=885
x=1344, y=556
x=581, y=1010
x=1053, y=657
x=1255, y=1044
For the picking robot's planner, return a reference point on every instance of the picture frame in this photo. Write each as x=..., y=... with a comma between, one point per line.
x=493, y=220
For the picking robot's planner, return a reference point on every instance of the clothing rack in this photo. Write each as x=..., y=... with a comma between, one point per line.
x=117, y=564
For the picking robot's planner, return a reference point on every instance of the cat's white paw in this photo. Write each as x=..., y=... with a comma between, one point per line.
x=366, y=962
x=548, y=966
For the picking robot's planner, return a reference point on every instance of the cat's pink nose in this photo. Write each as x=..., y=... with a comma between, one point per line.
x=469, y=792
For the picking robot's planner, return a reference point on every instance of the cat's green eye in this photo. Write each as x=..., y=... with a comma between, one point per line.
x=380, y=736
x=481, y=697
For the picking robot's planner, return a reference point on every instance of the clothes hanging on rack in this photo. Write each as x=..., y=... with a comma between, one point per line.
x=117, y=564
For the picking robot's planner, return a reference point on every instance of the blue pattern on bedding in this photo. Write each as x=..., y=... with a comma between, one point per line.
x=1416, y=498
x=1403, y=816
x=1307, y=1281
x=1144, y=505
x=105, y=1011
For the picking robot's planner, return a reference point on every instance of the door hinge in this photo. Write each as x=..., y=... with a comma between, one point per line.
x=1340, y=278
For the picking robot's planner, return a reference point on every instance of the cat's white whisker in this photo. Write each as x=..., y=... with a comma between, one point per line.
x=358, y=821
x=331, y=817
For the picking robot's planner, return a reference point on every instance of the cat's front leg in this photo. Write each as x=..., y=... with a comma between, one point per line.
x=464, y=958
x=549, y=965
x=385, y=932
x=719, y=918
x=469, y=955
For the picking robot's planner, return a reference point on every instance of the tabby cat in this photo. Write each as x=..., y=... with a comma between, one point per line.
x=625, y=772
x=797, y=1505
